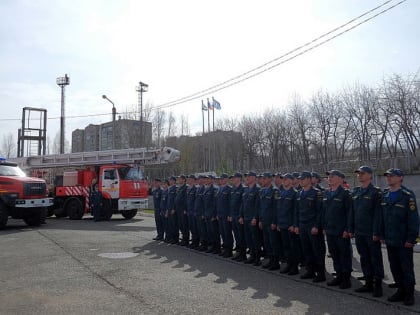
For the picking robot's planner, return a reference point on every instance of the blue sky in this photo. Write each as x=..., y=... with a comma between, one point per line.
x=181, y=47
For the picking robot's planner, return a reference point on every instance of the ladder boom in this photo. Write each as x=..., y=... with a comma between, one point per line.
x=142, y=156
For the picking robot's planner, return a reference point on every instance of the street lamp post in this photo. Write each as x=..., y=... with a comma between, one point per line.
x=142, y=87
x=62, y=82
x=114, y=113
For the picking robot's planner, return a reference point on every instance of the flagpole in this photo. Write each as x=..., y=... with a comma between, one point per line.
x=208, y=116
x=202, y=113
x=213, y=117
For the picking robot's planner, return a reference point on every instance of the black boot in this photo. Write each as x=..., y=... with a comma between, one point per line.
x=320, y=274
x=336, y=281
x=237, y=255
x=346, y=282
x=228, y=253
x=267, y=262
x=309, y=274
x=257, y=261
x=409, y=295
x=377, y=288
x=275, y=265
x=294, y=269
x=367, y=287
x=250, y=260
x=398, y=296
x=286, y=268
x=242, y=256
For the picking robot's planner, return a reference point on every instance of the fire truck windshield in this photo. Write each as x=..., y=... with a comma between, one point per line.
x=130, y=173
x=11, y=170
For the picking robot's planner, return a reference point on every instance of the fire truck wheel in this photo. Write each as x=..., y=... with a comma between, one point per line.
x=4, y=216
x=36, y=217
x=74, y=209
x=106, y=210
x=129, y=214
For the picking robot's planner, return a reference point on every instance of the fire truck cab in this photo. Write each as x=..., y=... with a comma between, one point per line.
x=21, y=197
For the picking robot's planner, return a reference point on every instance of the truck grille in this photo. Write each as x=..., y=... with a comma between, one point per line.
x=34, y=189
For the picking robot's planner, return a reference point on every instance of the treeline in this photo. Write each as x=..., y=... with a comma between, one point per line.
x=379, y=126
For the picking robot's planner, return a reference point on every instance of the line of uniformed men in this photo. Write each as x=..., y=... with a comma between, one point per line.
x=286, y=217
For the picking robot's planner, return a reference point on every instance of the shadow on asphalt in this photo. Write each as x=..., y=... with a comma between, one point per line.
x=265, y=283
x=86, y=224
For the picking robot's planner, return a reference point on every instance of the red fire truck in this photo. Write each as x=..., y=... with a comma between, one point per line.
x=117, y=173
x=21, y=197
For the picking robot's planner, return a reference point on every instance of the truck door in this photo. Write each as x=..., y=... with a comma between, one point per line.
x=111, y=182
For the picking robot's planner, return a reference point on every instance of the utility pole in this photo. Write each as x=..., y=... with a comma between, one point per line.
x=142, y=87
x=62, y=82
x=114, y=113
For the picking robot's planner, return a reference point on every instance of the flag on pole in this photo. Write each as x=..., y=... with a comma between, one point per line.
x=216, y=104
x=203, y=107
x=209, y=105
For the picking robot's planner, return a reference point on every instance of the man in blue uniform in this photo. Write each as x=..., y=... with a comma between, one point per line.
x=367, y=228
x=199, y=210
x=235, y=203
x=286, y=207
x=181, y=209
x=338, y=224
x=249, y=218
x=159, y=215
x=192, y=221
x=212, y=224
x=401, y=227
x=172, y=218
x=309, y=228
x=223, y=212
x=164, y=208
x=267, y=216
x=96, y=203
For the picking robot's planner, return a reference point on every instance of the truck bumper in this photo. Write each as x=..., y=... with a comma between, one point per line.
x=133, y=204
x=34, y=203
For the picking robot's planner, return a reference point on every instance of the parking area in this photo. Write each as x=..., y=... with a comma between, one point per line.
x=114, y=267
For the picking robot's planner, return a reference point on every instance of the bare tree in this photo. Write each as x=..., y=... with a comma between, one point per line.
x=158, y=123
x=8, y=147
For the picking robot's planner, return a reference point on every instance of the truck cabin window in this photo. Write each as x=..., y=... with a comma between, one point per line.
x=130, y=173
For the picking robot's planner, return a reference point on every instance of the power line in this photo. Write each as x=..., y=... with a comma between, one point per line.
x=247, y=75
x=267, y=66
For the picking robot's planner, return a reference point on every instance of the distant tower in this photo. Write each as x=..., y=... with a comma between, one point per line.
x=142, y=87
x=62, y=82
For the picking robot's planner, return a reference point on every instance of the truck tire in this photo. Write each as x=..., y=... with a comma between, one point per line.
x=74, y=209
x=4, y=216
x=36, y=217
x=106, y=210
x=129, y=214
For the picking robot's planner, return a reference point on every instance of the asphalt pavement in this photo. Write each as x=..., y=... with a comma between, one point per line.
x=114, y=267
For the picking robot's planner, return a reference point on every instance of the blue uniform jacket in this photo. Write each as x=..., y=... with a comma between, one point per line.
x=222, y=201
x=191, y=191
x=267, y=209
x=400, y=218
x=367, y=211
x=286, y=207
x=171, y=198
x=181, y=199
x=199, y=201
x=236, y=200
x=209, y=202
x=164, y=201
x=157, y=197
x=338, y=212
x=308, y=208
x=250, y=203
